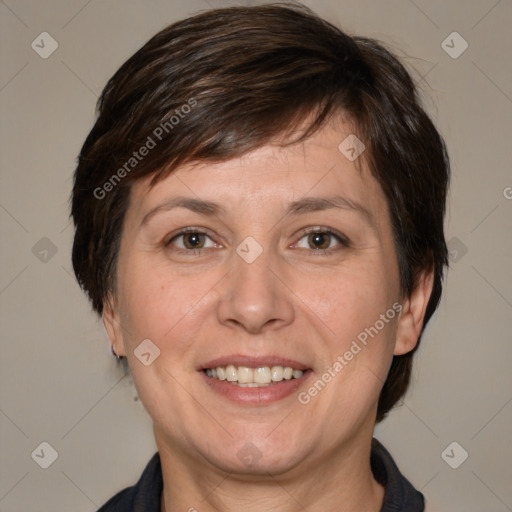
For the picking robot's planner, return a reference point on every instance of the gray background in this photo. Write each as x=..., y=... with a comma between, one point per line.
x=59, y=384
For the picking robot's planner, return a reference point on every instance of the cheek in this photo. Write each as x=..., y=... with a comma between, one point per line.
x=352, y=299
x=357, y=306
x=163, y=305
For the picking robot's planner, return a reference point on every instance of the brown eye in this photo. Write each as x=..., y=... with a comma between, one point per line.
x=321, y=240
x=193, y=240
x=189, y=240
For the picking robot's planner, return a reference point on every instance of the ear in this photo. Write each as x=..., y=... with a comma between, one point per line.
x=413, y=314
x=112, y=323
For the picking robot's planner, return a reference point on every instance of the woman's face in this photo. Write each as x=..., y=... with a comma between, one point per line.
x=291, y=263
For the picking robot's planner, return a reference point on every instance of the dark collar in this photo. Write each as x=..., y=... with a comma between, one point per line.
x=400, y=495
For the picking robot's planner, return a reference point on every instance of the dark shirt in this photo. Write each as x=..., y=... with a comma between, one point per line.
x=400, y=495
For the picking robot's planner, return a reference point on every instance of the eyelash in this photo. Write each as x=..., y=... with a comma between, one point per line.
x=344, y=242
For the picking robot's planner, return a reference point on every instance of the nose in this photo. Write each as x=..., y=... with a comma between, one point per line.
x=254, y=297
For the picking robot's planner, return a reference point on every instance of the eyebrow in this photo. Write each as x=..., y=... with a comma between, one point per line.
x=299, y=207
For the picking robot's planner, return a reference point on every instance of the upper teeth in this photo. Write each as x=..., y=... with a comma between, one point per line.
x=253, y=377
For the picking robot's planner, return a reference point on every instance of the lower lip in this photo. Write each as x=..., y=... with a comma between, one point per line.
x=256, y=396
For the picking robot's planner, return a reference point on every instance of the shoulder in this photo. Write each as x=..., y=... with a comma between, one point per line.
x=399, y=492
x=144, y=496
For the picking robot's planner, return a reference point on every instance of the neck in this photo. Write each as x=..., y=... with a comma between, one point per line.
x=342, y=482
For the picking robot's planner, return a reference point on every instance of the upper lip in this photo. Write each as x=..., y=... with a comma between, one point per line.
x=253, y=362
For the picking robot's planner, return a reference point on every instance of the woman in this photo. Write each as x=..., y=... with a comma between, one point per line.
x=259, y=221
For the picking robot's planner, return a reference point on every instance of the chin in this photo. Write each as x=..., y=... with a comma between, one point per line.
x=257, y=454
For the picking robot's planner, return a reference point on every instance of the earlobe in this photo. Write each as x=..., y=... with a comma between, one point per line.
x=413, y=314
x=112, y=326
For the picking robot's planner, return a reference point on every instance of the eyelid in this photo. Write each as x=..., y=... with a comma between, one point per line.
x=184, y=231
x=324, y=229
x=342, y=239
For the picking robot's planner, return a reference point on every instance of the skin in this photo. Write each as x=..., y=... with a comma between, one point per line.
x=294, y=300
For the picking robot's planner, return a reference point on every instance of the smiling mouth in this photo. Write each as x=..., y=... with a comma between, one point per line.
x=261, y=376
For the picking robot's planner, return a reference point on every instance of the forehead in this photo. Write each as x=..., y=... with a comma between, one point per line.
x=269, y=178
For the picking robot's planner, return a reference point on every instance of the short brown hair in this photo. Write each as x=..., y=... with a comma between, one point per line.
x=247, y=75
